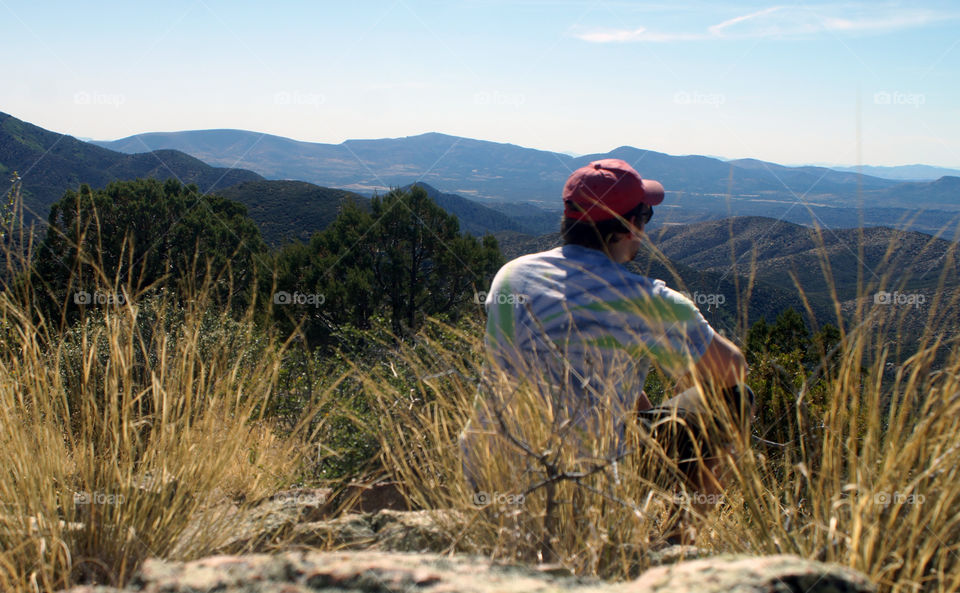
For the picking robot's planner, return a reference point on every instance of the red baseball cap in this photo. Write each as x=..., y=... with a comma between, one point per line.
x=607, y=188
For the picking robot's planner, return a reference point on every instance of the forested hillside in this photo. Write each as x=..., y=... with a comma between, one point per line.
x=50, y=163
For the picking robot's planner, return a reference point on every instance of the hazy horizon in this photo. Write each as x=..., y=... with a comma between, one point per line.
x=566, y=152
x=821, y=82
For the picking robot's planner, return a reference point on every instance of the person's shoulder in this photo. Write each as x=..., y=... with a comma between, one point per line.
x=661, y=289
x=650, y=285
x=533, y=260
x=532, y=257
x=524, y=266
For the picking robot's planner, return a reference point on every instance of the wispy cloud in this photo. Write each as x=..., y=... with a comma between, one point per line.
x=639, y=34
x=761, y=15
x=779, y=21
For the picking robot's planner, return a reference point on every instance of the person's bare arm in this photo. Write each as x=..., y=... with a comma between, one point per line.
x=722, y=365
x=643, y=402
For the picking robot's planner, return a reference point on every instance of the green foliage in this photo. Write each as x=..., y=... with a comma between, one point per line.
x=824, y=343
x=789, y=333
x=782, y=358
x=381, y=273
x=423, y=263
x=656, y=387
x=9, y=206
x=287, y=211
x=145, y=235
x=406, y=259
x=346, y=450
x=758, y=340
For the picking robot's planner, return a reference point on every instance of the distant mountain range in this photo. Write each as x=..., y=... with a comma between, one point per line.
x=50, y=163
x=904, y=172
x=521, y=207
x=699, y=188
x=707, y=258
x=521, y=184
x=480, y=169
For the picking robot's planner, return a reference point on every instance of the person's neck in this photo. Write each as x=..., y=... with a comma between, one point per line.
x=604, y=250
x=622, y=251
x=619, y=252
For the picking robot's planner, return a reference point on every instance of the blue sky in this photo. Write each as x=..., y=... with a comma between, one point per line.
x=806, y=82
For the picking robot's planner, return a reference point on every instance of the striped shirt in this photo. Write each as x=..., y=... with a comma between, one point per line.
x=585, y=329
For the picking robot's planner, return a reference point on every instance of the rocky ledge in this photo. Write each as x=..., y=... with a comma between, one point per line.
x=291, y=544
x=399, y=572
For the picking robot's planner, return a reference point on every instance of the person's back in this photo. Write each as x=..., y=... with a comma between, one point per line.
x=576, y=332
x=587, y=329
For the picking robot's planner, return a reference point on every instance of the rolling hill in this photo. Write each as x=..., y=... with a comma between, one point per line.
x=294, y=210
x=288, y=211
x=463, y=166
x=475, y=218
x=779, y=252
x=705, y=256
x=49, y=163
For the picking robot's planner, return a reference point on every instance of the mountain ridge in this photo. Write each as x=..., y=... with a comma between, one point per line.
x=49, y=163
x=698, y=187
x=370, y=151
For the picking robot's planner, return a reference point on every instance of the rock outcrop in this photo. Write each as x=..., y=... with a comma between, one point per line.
x=395, y=572
x=392, y=551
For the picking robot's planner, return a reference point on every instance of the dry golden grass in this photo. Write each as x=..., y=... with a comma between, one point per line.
x=108, y=462
x=120, y=430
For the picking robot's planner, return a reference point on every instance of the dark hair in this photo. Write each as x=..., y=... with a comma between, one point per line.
x=597, y=235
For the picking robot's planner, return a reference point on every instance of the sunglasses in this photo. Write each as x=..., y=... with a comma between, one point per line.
x=646, y=214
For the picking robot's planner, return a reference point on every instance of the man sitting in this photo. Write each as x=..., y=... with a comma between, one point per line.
x=577, y=327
